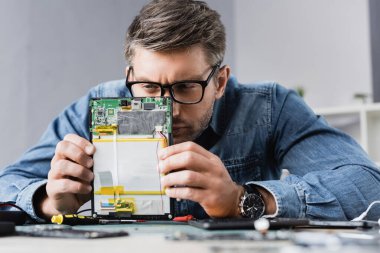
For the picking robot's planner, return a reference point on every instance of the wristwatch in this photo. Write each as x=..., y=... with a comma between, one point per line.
x=251, y=203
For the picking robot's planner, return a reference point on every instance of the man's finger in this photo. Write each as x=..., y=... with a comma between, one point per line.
x=65, y=168
x=69, y=150
x=81, y=142
x=193, y=194
x=184, y=177
x=186, y=160
x=64, y=186
x=183, y=147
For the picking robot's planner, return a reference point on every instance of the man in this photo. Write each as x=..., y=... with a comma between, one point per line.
x=231, y=142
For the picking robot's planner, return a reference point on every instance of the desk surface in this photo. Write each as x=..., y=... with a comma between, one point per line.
x=148, y=237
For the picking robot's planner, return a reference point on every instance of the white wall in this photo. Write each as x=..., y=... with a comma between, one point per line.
x=321, y=45
x=51, y=53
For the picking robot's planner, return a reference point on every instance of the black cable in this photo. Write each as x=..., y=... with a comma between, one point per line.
x=11, y=204
x=2, y=204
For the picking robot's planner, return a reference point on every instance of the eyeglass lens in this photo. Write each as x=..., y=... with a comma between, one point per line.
x=183, y=92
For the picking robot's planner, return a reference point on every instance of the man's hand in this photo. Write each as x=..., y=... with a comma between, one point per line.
x=70, y=176
x=193, y=173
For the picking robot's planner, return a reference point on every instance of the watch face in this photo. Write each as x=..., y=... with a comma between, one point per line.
x=253, y=206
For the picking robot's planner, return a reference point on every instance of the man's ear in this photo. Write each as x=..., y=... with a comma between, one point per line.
x=222, y=79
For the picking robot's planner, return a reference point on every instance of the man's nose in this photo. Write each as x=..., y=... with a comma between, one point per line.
x=166, y=92
x=175, y=109
x=175, y=104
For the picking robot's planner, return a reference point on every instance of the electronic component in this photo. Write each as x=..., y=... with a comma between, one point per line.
x=136, y=105
x=125, y=102
x=230, y=236
x=140, y=121
x=149, y=106
x=127, y=134
x=276, y=223
x=62, y=231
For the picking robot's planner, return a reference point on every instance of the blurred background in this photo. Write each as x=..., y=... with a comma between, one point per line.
x=52, y=52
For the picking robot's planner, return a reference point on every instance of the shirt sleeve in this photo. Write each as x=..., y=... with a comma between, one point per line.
x=20, y=181
x=331, y=176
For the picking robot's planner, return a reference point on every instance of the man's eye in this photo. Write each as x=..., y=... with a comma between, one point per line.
x=149, y=86
x=185, y=86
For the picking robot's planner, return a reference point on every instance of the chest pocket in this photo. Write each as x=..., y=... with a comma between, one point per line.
x=244, y=169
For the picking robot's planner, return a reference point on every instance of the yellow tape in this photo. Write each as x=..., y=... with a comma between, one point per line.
x=143, y=193
x=119, y=190
x=131, y=140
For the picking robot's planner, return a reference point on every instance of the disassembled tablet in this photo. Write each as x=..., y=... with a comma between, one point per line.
x=127, y=134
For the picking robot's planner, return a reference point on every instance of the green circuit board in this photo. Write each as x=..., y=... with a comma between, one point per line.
x=114, y=113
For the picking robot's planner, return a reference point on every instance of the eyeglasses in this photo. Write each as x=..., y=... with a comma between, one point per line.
x=182, y=92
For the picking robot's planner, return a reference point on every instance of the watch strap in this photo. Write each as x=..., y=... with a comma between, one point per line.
x=250, y=188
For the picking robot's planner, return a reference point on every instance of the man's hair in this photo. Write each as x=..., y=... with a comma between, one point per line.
x=167, y=25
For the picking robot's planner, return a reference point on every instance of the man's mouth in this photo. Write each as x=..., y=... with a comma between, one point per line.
x=178, y=124
x=178, y=127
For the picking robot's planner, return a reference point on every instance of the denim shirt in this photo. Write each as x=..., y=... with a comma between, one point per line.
x=257, y=130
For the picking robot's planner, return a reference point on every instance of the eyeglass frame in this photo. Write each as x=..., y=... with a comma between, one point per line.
x=163, y=87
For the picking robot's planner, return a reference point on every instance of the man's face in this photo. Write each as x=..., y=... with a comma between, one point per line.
x=189, y=121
